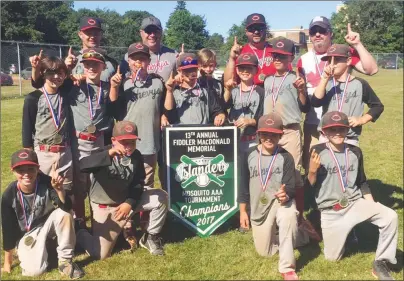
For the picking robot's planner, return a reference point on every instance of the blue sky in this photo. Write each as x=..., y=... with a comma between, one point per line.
x=221, y=15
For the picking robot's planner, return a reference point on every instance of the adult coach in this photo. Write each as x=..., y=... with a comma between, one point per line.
x=162, y=58
x=256, y=32
x=312, y=66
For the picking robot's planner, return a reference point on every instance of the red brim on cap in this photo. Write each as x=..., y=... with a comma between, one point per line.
x=270, y=130
x=93, y=59
x=334, y=125
x=22, y=163
x=188, y=66
x=127, y=137
x=281, y=52
x=325, y=58
x=247, y=63
x=90, y=27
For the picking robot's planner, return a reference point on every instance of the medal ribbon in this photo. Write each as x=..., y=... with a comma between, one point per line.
x=28, y=221
x=271, y=165
x=344, y=184
x=275, y=96
x=90, y=103
x=157, y=63
x=340, y=102
x=320, y=72
x=249, y=96
x=56, y=118
x=190, y=89
x=260, y=65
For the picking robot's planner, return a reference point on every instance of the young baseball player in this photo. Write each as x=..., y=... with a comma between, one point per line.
x=340, y=90
x=245, y=101
x=189, y=102
x=116, y=193
x=34, y=208
x=207, y=65
x=268, y=185
x=285, y=94
x=46, y=120
x=343, y=196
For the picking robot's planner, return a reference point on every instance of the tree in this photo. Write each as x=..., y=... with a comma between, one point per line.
x=215, y=42
x=184, y=27
x=181, y=5
x=379, y=24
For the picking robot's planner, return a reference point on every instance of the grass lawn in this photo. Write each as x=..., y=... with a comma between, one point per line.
x=13, y=91
x=231, y=255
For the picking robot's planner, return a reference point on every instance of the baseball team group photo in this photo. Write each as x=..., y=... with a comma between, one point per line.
x=140, y=146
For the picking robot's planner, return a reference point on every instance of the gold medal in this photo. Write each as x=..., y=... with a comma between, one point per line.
x=343, y=202
x=263, y=200
x=28, y=241
x=91, y=128
x=57, y=139
x=261, y=77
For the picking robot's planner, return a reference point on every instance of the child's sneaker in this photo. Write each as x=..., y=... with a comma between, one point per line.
x=291, y=275
x=70, y=269
x=152, y=243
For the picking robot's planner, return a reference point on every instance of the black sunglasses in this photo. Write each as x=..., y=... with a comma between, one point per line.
x=313, y=31
x=152, y=29
x=254, y=28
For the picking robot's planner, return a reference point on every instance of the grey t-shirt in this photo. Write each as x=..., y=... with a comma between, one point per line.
x=287, y=103
x=143, y=105
x=106, y=74
x=328, y=186
x=357, y=95
x=165, y=59
x=250, y=190
x=246, y=106
x=79, y=105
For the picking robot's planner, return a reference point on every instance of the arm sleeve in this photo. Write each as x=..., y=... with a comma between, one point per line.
x=38, y=83
x=354, y=57
x=124, y=67
x=260, y=109
x=137, y=184
x=306, y=107
x=288, y=177
x=369, y=97
x=315, y=102
x=9, y=225
x=361, y=181
x=29, y=112
x=244, y=186
x=95, y=161
x=66, y=206
x=214, y=106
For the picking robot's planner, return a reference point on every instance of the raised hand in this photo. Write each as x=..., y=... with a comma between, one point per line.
x=116, y=80
x=57, y=179
x=314, y=162
x=78, y=78
x=182, y=49
x=34, y=60
x=71, y=59
x=235, y=49
x=329, y=70
x=352, y=38
x=299, y=83
x=230, y=84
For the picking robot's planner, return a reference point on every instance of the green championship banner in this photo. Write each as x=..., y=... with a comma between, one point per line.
x=201, y=175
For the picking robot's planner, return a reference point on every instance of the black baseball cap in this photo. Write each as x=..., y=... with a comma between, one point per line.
x=334, y=119
x=282, y=45
x=93, y=54
x=255, y=19
x=270, y=123
x=247, y=59
x=24, y=157
x=125, y=130
x=320, y=21
x=150, y=21
x=90, y=22
x=337, y=50
x=138, y=47
x=187, y=60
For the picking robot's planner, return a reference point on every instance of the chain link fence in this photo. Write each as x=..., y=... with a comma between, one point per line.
x=15, y=62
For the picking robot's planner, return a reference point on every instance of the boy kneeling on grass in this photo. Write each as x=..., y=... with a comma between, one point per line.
x=33, y=208
x=268, y=173
x=343, y=195
x=117, y=192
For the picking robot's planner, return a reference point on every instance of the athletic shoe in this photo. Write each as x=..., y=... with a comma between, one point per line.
x=291, y=275
x=70, y=269
x=152, y=243
x=308, y=227
x=381, y=271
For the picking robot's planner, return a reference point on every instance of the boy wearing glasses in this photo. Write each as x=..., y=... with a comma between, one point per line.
x=245, y=101
x=340, y=91
x=285, y=94
x=46, y=120
x=187, y=100
x=34, y=208
x=343, y=196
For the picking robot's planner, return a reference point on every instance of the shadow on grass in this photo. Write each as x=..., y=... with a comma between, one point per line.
x=307, y=254
x=383, y=193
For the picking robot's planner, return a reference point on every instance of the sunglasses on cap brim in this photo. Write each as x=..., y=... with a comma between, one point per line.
x=189, y=63
x=93, y=56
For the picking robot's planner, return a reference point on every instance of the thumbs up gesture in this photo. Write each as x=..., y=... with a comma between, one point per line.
x=34, y=60
x=117, y=78
x=281, y=195
x=352, y=38
x=71, y=59
x=235, y=50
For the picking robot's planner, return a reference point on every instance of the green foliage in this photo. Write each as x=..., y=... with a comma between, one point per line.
x=184, y=27
x=379, y=24
x=215, y=42
x=181, y=5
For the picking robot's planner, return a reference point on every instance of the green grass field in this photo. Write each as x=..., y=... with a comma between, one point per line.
x=230, y=254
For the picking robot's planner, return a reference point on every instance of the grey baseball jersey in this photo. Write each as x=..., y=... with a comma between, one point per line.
x=106, y=74
x=357, y=95
x=142, y=103
x=328, y=185
x=250, y=190
x=287, y=103
x=246, y=105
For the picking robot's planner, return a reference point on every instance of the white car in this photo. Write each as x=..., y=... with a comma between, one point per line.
x=218, y=74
